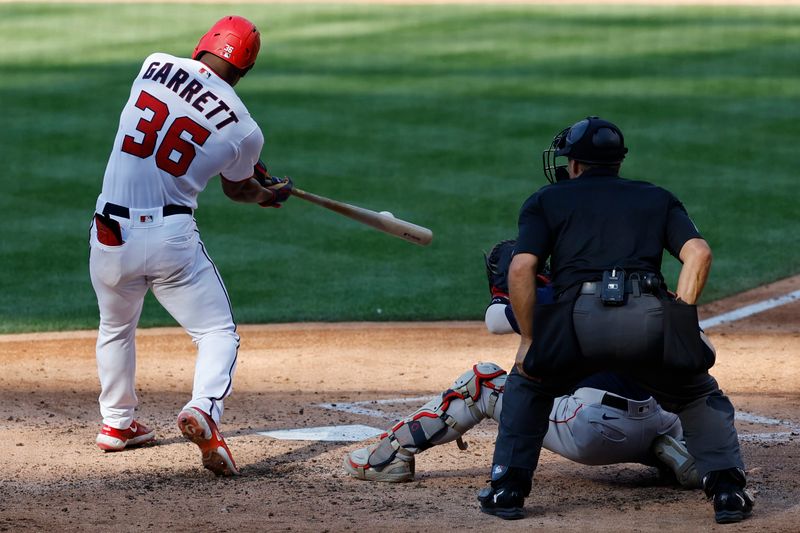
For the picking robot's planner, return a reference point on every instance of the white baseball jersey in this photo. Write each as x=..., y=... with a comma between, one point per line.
x=181, y=126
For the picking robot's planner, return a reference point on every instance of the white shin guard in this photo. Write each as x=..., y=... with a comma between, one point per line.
x=474, y=396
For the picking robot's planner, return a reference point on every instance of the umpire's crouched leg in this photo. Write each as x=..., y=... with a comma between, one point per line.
x=523, y=425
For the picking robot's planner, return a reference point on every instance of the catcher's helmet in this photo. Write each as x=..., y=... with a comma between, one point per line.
x=234, y=39
x=592, y=140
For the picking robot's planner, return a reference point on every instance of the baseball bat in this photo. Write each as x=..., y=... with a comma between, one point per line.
x=385, y=223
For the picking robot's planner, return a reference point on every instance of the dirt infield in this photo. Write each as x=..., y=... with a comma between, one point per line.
x=55, y=478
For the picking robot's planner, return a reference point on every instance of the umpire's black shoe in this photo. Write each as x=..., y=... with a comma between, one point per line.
x=503, y=503
x=731, y=502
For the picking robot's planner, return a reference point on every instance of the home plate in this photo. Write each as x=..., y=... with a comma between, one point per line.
x=352, y=433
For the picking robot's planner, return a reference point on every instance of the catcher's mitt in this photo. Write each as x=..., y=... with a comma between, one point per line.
x=497, y=261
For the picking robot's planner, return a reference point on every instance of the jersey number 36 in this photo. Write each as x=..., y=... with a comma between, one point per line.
x=173, y=143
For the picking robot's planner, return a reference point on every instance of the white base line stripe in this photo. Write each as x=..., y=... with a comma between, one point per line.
x=748, y=310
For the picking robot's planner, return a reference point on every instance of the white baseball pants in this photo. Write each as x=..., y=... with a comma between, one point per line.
x=165, y=255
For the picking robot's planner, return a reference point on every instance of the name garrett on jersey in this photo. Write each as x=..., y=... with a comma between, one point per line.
x=191, y=92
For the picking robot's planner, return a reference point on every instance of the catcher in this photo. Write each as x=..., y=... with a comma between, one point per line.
x=605, y=420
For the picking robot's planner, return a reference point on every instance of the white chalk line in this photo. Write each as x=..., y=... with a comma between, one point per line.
x=748, y=310
x=759, y=438
x=758, y=419
x=358, y=408
x=776, y=436
x=742, y=416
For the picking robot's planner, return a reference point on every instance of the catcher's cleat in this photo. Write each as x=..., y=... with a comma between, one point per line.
x=674, y=455
x=199, y=428
x=114, y=440
x=731, y=502
x=401, y=467
x=503, y=502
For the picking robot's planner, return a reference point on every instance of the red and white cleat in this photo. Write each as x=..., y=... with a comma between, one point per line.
x=114, y=440
x=199, y=428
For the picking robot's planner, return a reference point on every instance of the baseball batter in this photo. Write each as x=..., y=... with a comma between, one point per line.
x=182, y=125
x=606, y=420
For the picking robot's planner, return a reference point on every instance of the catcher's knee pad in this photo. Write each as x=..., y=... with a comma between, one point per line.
x=475, y=395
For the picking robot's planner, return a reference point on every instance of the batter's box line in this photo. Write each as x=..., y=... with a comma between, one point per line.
x=357, y=408
x=779, y=436
x=776, y=436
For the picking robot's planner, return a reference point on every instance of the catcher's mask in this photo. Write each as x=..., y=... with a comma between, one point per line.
x=593, y=141
x=234, y=39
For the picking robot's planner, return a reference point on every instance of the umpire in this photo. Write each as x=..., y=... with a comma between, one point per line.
x=605, y=236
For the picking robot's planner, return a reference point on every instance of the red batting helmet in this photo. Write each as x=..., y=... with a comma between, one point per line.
x=234, y=39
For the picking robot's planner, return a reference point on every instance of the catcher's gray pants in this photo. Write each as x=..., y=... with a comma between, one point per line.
x=595, y=427
x=705, y=412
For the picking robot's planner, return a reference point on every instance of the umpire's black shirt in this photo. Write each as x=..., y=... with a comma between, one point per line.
x=599, y=221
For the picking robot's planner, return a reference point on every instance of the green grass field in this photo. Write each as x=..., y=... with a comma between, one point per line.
x=438, y=114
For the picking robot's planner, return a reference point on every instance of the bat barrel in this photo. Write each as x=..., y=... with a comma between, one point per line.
x=393, y=226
